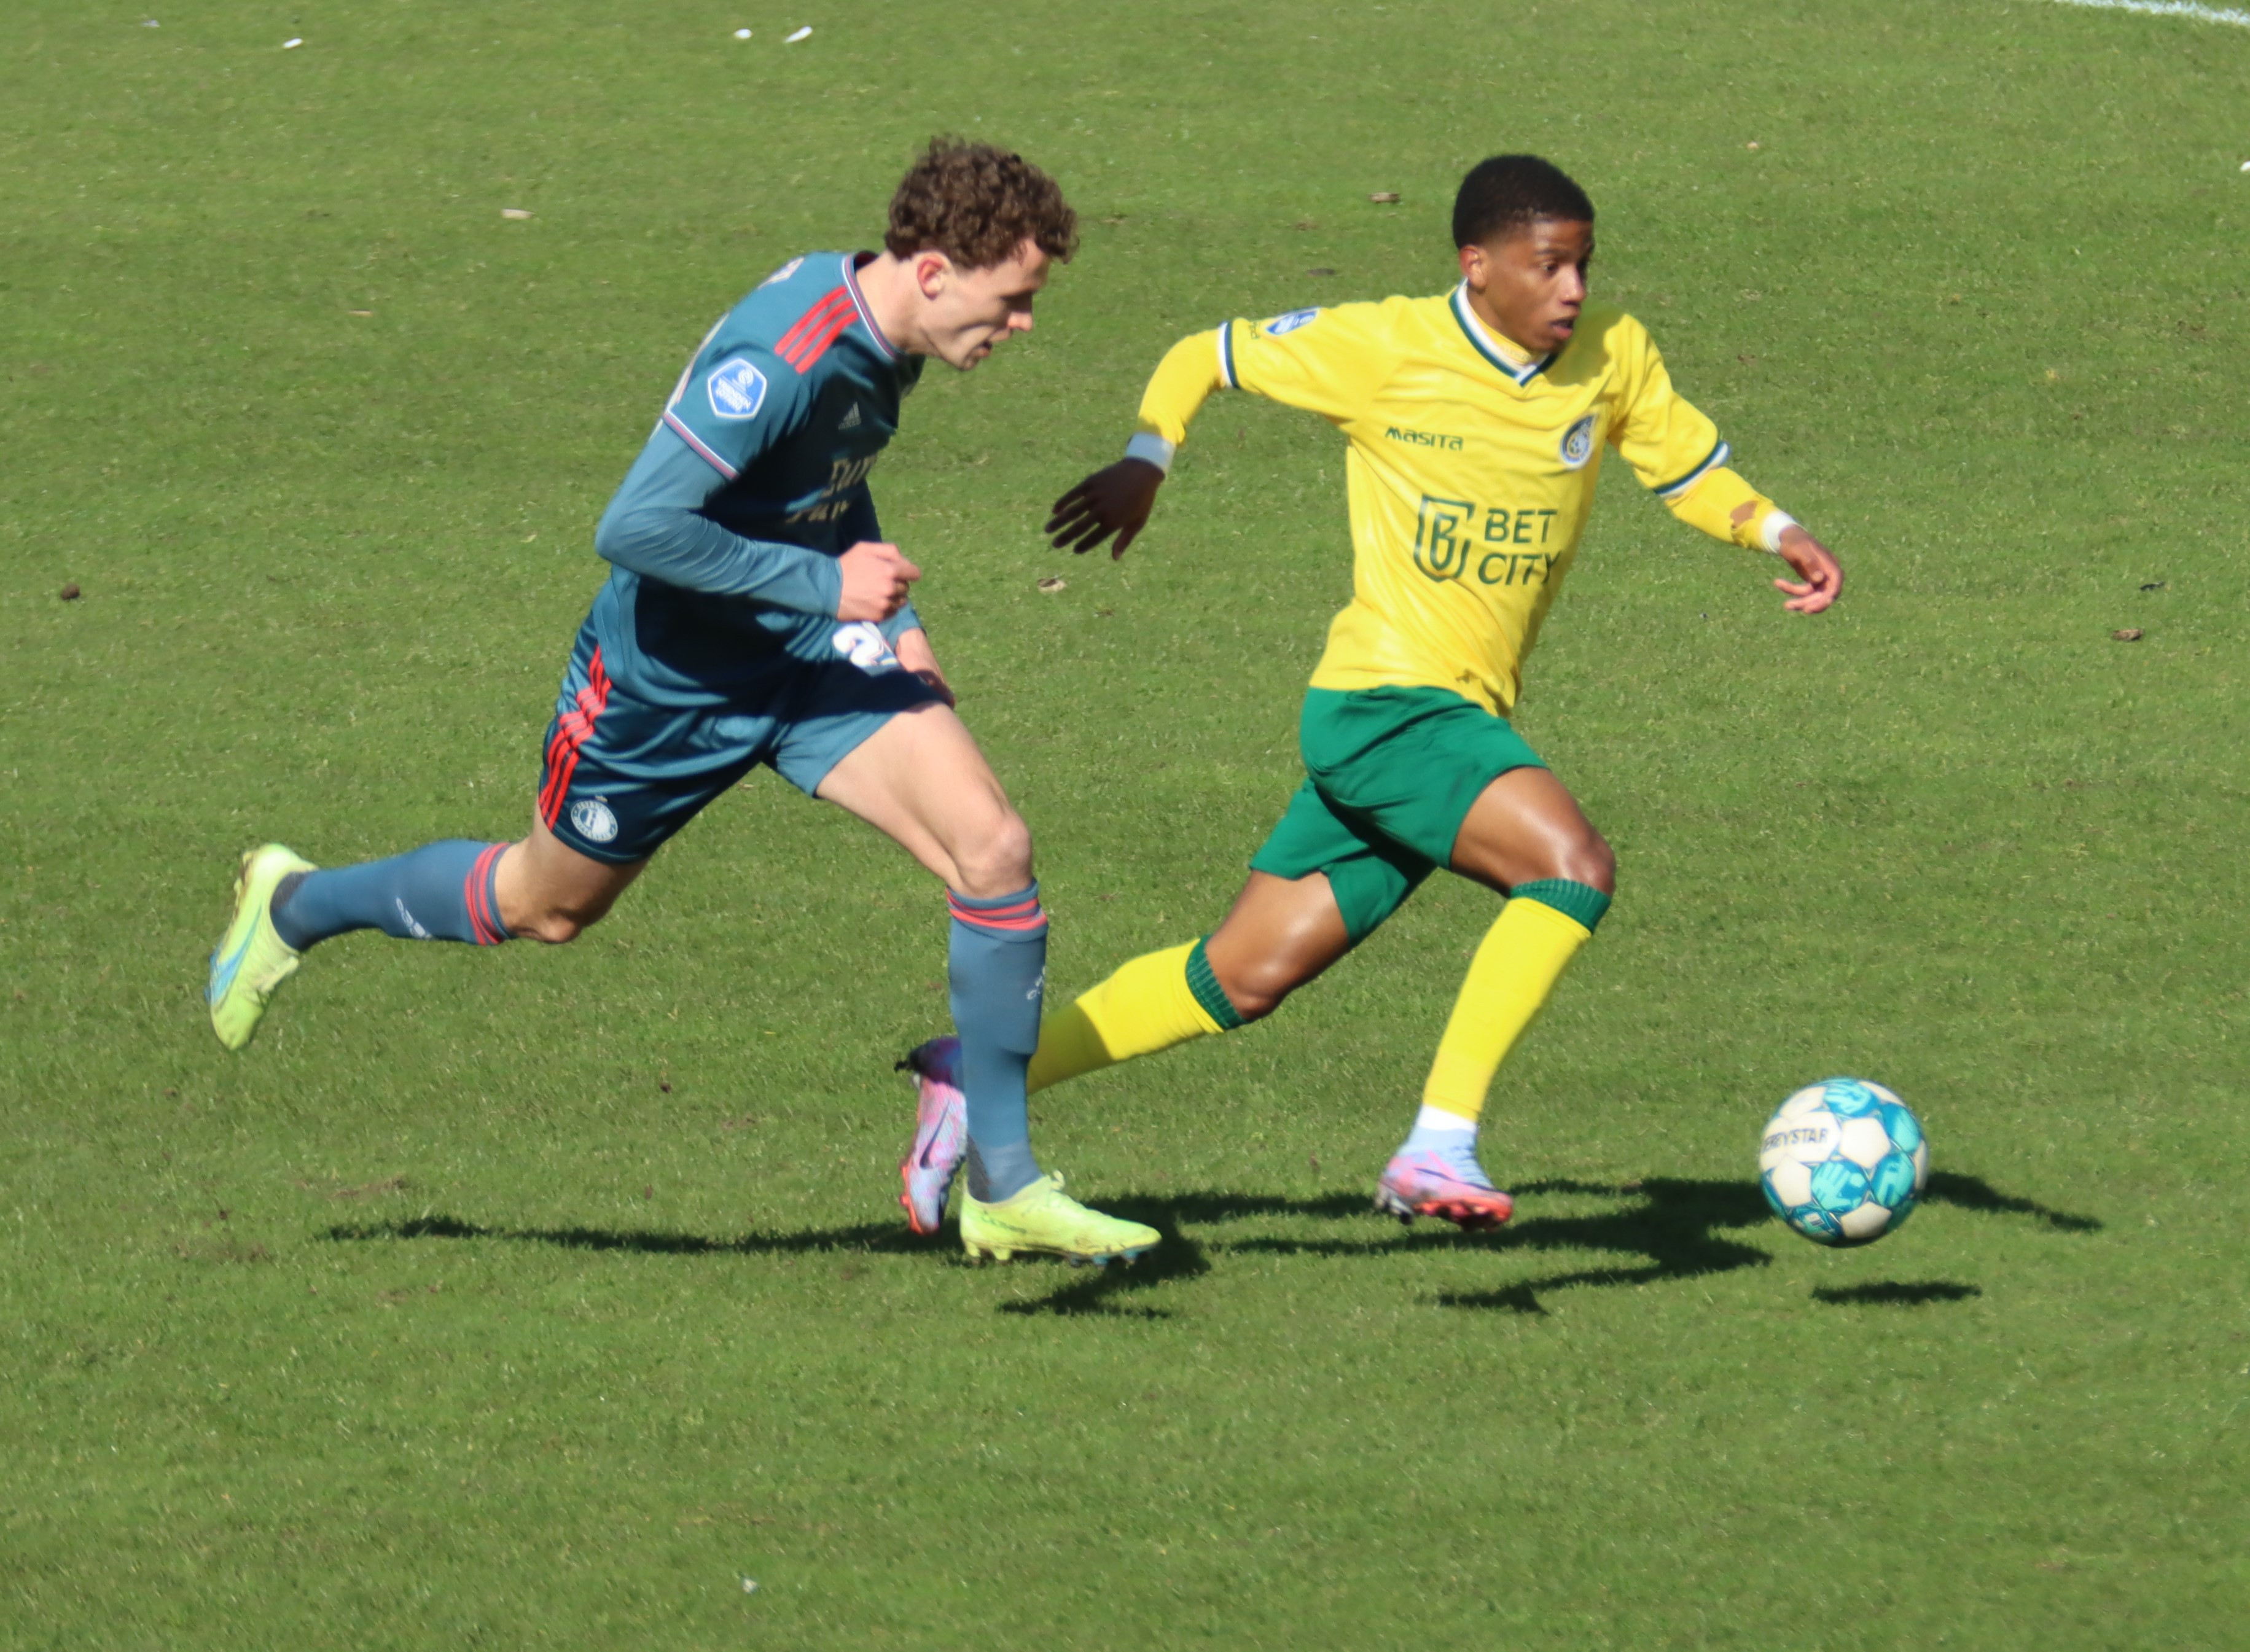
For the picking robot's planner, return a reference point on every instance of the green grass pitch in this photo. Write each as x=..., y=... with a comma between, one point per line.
x=541, y=1299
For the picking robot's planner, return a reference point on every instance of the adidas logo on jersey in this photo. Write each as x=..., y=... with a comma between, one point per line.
x=850, y=420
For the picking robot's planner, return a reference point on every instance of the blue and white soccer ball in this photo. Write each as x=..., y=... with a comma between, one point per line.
x=1843, y=1161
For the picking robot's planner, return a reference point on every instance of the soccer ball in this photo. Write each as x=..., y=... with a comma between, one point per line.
x=1843, y=1161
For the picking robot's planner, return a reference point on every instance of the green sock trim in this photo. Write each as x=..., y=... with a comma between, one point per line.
x=1208, y=993
x=1581, y=902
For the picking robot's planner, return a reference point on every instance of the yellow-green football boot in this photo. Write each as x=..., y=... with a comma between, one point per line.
x=251, y=960
x=1041, y=1219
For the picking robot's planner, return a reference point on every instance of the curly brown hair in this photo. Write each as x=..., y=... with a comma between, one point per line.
x=978, y=204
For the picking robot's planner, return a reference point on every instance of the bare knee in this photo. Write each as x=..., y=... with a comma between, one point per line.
x=557, y=927
x=1257, y=987
x=1579, y=856
x=1591, y=861
x=1255, y=999
x=1280, y=933
x=560, y=920
x=548, y=892
x=998, y=860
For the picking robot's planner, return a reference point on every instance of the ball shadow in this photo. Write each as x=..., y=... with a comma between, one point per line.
x=1892, y=1293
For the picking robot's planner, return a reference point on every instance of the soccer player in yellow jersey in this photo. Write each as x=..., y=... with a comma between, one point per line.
x=1476, y=423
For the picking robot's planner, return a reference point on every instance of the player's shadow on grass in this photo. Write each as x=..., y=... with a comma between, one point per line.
x=867, y=1236
x=1678, y=1226
x=1676, y=1223
x=1973, y=1193
x=1177, y=1257
x=1672, y=1223
x=1097, y=1291
x=1091, y=1291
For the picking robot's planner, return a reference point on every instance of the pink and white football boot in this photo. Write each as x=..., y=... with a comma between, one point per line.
x=940, y=1133
x=1445, y=1181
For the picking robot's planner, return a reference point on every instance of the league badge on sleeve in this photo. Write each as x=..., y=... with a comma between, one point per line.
x=737, y=390
x=1281, y=325
x=1578, y=443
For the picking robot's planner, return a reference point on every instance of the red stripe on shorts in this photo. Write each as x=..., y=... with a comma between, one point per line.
x=572, y=730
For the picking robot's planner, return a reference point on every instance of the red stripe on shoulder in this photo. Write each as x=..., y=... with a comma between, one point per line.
x=813, y=319
x=813, y=348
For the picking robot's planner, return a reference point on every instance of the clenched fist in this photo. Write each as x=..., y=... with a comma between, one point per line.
x=876, y=581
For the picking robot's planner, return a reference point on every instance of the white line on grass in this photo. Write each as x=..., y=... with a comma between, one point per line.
x=2168, y=9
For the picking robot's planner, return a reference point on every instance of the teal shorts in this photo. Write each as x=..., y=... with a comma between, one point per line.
x=1391, y=774
x=622, y=775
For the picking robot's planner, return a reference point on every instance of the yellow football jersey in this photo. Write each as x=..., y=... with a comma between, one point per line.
x=1470, y=471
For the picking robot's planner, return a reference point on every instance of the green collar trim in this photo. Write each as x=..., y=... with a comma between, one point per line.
x=1474, y=332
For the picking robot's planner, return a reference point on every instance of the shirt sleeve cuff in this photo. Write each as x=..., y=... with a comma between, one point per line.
x=1153, y=449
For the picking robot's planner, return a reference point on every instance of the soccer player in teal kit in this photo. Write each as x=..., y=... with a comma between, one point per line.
x=753, y=613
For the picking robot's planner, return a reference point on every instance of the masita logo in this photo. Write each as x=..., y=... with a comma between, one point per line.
x=1291, y=322
x=785, y=272
x=592, y=818
x=737, y=390
x=1578, y=443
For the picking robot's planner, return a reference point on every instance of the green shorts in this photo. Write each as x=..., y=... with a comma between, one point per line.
x=1391, y=772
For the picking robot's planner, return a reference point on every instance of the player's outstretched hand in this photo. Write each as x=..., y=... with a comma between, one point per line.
x=875, y=581
x=1114, y=500
x=1821, y=575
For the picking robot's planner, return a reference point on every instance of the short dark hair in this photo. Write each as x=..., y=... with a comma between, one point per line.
x=978, y=204
x=1510, y=190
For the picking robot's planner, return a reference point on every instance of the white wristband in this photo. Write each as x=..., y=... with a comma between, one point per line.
x=1776, y=523
x=1153, y=449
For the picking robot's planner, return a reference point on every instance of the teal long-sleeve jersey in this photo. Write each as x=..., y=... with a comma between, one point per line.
x=724, y=537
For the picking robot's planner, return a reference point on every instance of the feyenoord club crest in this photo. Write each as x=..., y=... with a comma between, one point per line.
x=593, y=820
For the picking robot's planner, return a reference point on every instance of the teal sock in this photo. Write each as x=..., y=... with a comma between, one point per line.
x=997, y=959
x=440, y=891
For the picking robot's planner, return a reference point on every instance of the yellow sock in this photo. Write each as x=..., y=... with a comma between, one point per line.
x=1516, y=965
x=1152, y=1003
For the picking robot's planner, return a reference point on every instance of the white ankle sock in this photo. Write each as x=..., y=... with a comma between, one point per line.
x=1435, y=1127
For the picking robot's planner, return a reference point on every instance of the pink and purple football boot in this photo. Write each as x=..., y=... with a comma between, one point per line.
x=1443, y=1181
x=940, y=1133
